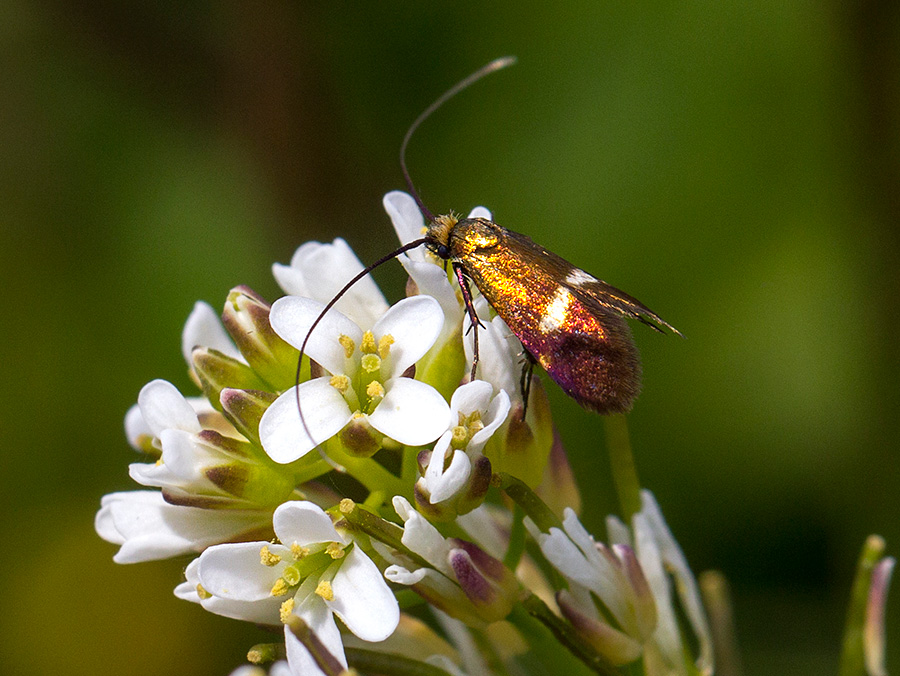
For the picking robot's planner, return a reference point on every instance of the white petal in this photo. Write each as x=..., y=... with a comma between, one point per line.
x=151, y=474
x=415, y=324
x=471, y=397
x=292, y=317
x=444, y=484
x=234, y=571
x=184, y=456
x=148, y=528
x=405, y=215
x=136, y=426
x=285, y=437
x=422, y=537
x=304, y=523
x=320, y=271
x=411, y=412
x=400, y=575
x=500, y=352
x=431, y=280
x=362, y=599
x=163, y=407
x=311, y=608
x=204, y=328
x=496, y=416
x=481, y=212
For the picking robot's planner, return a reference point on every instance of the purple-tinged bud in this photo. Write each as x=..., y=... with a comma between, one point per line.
x=360, y=439
x=487, y=583
x=616, y=646
x=640, y=594
x=244, y=409
x=216, y=371
x=442, y=512
x=246, y=318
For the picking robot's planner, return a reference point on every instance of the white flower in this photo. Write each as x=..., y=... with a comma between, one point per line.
x=475, y=415
x=314, y=572
x=501, y=356
x=151, y=525
x=630, y=580
x=365, y=382
x=319, y=271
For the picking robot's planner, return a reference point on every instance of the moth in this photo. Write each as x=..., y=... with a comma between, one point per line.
x=568, y=321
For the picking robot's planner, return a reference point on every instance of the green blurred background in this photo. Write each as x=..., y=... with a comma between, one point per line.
x=733, y=165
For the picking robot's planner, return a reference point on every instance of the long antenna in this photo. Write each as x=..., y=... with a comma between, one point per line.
x=495, y=65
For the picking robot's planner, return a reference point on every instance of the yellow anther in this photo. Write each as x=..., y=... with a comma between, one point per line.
x=280, y=588
x=370, y=363
x=368, y=343
x=475, y=426
x=358, y=414
x=267, y=558
x=347, y=505
x=348, y=345
x=202, y=593
x=324, y=590
x=299, y=551
x=374, y=389
x=384, y=345
x=340, y=383
x=286, y=609
x=335, y=550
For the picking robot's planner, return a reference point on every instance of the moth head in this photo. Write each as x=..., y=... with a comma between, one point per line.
x=437, y=238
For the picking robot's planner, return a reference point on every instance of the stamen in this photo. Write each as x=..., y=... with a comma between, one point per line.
x=374, y=389
x=299, y=551
x=335, y=550
x=267, y=558
x=280, y=588
x=368, y=343
x=340, y=383
x=348, y=345
x=287, y=608
x=384, y=345
x=202, y=593
x=324, y=590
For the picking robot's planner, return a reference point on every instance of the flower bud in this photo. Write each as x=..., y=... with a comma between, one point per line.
x=246, y=317
x=614, y=645
x=486, y=582
x=216, y=371
x=527, y=443
x=244, y=408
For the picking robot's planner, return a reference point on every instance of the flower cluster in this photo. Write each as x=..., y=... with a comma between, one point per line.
x=314, y=495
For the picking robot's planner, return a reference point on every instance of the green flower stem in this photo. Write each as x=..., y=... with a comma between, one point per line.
x=533, y=607
x=528, y=500
x=380, y=529
x=367, y=471
x=372, y=662
x=624, y=472
x=853, y=661
x=516, y=540
x=312, y=471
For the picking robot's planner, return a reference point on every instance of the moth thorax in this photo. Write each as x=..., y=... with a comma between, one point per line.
x=474, y=234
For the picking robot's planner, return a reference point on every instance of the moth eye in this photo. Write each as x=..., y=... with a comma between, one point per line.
x=443, y=251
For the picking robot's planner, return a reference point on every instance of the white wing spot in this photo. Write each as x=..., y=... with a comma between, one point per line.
x=555, y=312
x=578, y=277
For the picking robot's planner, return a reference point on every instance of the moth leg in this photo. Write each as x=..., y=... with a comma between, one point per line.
x=525, y=382
x=470, y=310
